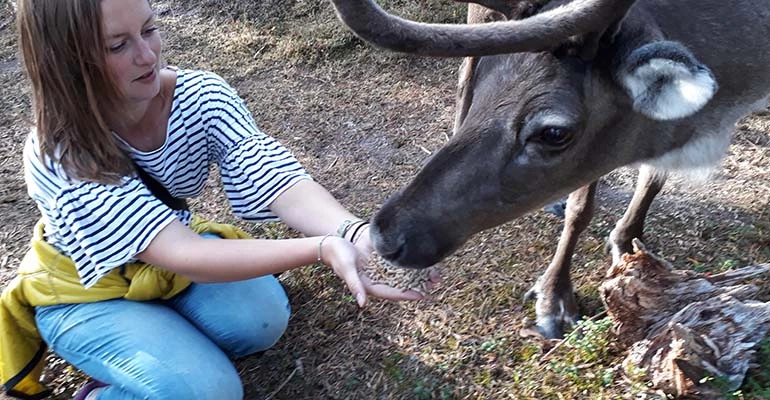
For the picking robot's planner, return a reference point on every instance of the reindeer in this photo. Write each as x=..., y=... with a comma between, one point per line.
x=552, y=96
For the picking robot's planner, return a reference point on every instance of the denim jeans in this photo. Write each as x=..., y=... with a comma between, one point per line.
x=174, y=349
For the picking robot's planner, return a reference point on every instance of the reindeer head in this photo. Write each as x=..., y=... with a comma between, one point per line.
x=553, y=102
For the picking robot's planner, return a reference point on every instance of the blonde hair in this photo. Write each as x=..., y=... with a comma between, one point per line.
x=64, y=54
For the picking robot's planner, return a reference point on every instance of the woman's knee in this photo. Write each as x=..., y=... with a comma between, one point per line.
x=241, y=317
x=141, y=349
x=195, y=382
x=258, y=330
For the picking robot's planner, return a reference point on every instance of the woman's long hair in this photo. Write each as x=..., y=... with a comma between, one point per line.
x=64, y=54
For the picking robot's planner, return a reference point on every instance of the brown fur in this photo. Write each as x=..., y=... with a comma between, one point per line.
x=610, y=88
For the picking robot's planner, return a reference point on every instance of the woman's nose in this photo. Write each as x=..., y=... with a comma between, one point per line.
x=145, y=55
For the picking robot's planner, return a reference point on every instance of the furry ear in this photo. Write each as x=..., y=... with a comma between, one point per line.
x=477, y=14
x=665, y=81
x=464, y=95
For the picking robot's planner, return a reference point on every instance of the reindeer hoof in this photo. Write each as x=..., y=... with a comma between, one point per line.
x=616, y=250
x=553, y=327
x=558, y=208
x=556, y=311
x=531, y=294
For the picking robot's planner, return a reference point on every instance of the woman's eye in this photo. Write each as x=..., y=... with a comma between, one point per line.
x=555, y=136
x=150, y=30
x=117, y=47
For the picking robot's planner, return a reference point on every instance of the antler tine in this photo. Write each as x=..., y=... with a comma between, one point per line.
x=371, y=23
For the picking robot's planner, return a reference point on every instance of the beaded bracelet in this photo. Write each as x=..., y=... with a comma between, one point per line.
x=345, y=226
x=351, y=226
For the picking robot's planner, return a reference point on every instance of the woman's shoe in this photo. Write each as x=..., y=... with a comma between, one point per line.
x=89, y=390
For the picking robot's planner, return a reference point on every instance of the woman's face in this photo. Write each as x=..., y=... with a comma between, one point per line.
x=133, y=47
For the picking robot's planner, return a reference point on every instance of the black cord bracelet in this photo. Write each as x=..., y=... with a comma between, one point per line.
x=358, y=229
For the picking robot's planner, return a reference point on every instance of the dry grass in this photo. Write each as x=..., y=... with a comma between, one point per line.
x=362, y=122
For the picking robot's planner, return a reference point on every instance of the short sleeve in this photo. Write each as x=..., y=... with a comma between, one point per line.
x=254, y=172
x=254, y=166
x=105, y=226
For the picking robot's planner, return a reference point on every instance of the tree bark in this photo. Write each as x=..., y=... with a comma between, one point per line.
x=692, y=334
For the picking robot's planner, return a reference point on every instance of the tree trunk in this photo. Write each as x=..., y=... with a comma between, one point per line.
x=692, y=334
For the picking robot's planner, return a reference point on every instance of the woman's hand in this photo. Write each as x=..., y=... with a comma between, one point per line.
x=364, y=245
x=347, y=261
x=383, y=291
x=344, y=259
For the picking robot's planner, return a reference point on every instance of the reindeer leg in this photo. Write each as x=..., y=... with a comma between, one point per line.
x=648, y=185
x=556, y=308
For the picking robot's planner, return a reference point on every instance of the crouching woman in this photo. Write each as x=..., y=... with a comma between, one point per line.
x=122, y=280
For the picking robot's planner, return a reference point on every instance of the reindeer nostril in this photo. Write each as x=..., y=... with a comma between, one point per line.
x=390, y=248
x=394, y=254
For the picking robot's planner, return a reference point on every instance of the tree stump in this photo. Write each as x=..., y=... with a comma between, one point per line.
x=692, y=334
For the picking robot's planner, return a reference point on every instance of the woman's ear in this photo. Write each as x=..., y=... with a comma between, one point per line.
x=665, y=81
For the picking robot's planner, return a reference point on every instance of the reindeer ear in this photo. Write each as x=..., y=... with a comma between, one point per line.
x=477, y=14
x=464, y=95
x=665, y=81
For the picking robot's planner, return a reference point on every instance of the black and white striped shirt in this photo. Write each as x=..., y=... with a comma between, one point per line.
x=104, y=226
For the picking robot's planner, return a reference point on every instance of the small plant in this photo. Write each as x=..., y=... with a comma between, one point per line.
x=583, y=366
x=637, y=378
x=757, y=384
x=722, y=384
x=701, y=268
x=590, y=341
x=430, y=388
x=348, y=298
x=489, y=346
x=424, y=388
x=729, y=264
x=527, y=351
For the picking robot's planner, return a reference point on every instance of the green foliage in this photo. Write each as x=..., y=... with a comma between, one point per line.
x=430, y=388
x=587, y=347
x=590, y=341
x=348, y=298
x=757, y=384
x=717, y=267
x=391, y=366
x=584, y=366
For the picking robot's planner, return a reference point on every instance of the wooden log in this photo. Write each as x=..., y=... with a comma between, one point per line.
x=683, y=327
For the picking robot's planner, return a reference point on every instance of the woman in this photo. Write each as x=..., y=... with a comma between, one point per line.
x=105, y=111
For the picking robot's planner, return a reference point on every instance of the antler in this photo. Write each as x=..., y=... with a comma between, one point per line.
x=541, y=31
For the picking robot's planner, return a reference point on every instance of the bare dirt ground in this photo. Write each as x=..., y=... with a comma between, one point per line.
x=362, y=122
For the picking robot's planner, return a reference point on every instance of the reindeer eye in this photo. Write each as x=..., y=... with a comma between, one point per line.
x=555, y=136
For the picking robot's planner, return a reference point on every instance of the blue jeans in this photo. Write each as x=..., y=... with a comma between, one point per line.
x=174, y=349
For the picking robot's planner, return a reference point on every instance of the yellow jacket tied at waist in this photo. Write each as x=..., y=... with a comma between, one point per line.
x=47, y=277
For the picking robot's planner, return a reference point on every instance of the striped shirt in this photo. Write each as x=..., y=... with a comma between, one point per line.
x=104, y=226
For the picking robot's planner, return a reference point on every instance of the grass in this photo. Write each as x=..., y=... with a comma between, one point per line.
x=356, y=118
x=307, y=32
x=585, y=363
